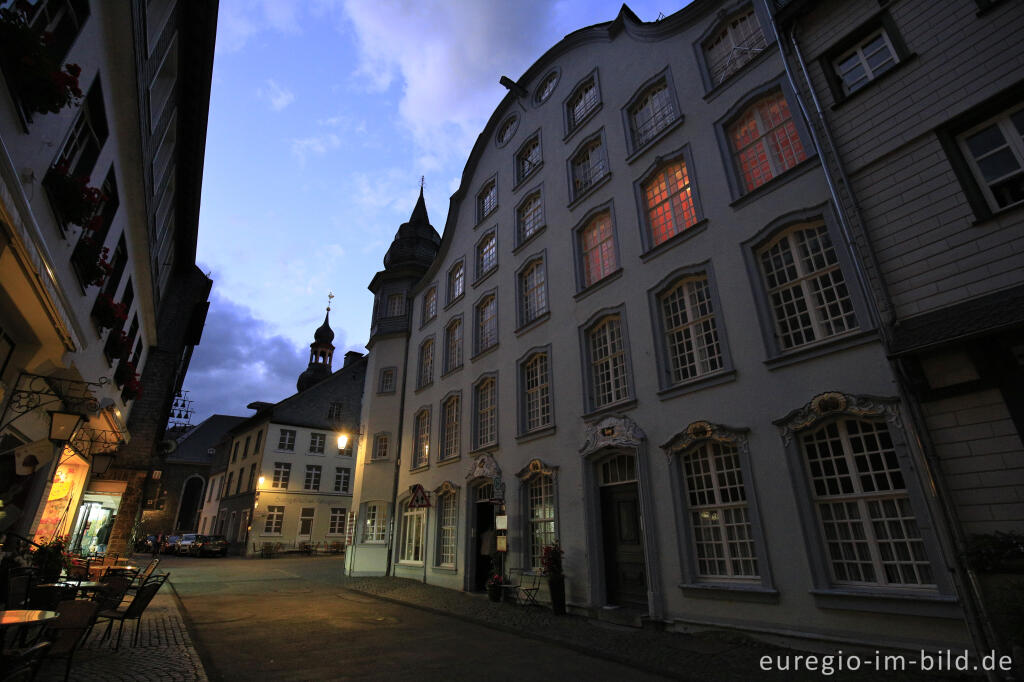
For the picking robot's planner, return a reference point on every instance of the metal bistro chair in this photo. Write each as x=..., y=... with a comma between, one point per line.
x=526, y=590
x=68, y=632
x=143, y=576
x=134, y=612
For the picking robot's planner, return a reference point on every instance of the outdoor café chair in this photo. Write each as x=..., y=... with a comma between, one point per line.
x=144, y=575
x=68, y=632
x=133, y=611
x=529, y=585
x=22, y=665
x=114, y=589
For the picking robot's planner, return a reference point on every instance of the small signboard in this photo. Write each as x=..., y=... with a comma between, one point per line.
x=419, y=499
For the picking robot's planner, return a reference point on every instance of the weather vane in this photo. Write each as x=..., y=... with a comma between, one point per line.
x=330, y=295
x=422, y=178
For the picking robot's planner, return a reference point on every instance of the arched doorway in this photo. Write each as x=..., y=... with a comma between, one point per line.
x=189, y=504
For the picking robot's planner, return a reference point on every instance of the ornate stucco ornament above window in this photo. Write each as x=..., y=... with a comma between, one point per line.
x=484, y=466
x=611, y=432
x=833, y=403
x=446, y=488
x=536, y=466
x=701, y=431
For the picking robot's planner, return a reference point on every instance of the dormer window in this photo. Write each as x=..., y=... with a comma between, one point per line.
x=737, y=41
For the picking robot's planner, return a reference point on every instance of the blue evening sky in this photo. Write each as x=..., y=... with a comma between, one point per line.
x=323, y=116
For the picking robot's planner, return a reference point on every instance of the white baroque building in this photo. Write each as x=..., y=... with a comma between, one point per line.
x=647, y=333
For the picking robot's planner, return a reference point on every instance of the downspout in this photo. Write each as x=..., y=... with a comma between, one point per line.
x=949, y=535
x=398, y=451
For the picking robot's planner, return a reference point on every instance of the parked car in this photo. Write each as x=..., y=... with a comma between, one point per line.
x=171, y=544
x=186, y=543
x=211, y=545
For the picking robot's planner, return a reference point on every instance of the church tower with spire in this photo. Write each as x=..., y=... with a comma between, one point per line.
x=410, y=256
x=321, y=353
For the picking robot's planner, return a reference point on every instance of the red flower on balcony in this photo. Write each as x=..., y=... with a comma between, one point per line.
x=108, y=313
x=72, y=197
x=41, y=83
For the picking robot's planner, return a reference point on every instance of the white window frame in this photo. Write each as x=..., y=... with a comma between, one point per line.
x=430, y=304
x=456, y=281
x=589, y=166
x=274, y=522
x=343, y=480
x=381, y=442
x=485, y=412
x=421, y=449
x=1013, y=142
x=536, y=378
x=541, y=516
x=653, y=111
x=414, y=531
x=313, y=477
x=447, y=530
x=533, y=291
x=453, y=336
x=584, y=99
x=286, y=441
x=487, y=199
x=425, y=376
x=693, y=345
x=487, y=254
x=375, y=528
x=608, y=364
x=486, y=322
x=530, y=216
x=738, y=47
x=860, y=58
x=451, y=413
x=337, y=523
x=317, y=441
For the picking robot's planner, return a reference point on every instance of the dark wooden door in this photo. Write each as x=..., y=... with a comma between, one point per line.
x=625, y=577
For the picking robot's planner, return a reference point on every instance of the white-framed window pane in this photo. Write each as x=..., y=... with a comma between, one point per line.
x=541, y=514
x=582, y=102
x=488, y=200
x=866, y=62
x=588, y=166
x=375, y=528
x=337, y=522
x=870, y=532
x=533, y=292
x=447, y=526
x=380, y=447
x=452, y=410
x=426, y=362
x=597, y=247
x=312, y=481
x=486, y=414
x=487, y=255
x=806, y=290
x=316, y=443
x=668, y=198
x=453, y=345
x=287, y=440
x=717, y=506
x=608, y=363
x=413, y=522
x=765, y=141
x=275, y=519
x=528, y=160
x=738, y=41
x=387, y=380
x=430, y=304
x=530, y=216
x=421, y=454
x=995, y=152
x=691, y=337
x=282, y=472
x=342, y=480
x=536, y=383
x=396, y=305
x=652, y=113
x=487, y=323
x=456, y=281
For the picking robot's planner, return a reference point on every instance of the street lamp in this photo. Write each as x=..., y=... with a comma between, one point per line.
x=63, y=426
x=342, y=440
x=101, y=461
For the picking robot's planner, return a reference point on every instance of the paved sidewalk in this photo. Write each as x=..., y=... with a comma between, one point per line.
x=165, y=650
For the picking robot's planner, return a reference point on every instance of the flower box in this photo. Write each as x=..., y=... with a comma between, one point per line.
x=107, y=313
x=71, y=196
x=41, y=84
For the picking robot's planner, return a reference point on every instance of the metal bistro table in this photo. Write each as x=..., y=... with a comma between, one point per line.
x=24, y=618
x=80, y=586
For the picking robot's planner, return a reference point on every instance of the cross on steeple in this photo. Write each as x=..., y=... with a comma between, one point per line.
x=330, y=295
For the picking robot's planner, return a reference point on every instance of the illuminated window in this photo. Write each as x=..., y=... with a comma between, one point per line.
x=456, y=281
x=375, y=526
x=536, y=392
x=736, y=42
x=413, y=532
x=805, y=286
x=528, y=159
x=583, y=101
x=487, y=254
x=608, y=377
x=487, y=200
x=450, y=418
x=529, y=216
x=275, y=520
x=765, y=142
x=588, y=166
x=430, y=304
x=448, y=516
x=453, y=345
x=597, y=249
x=282, y=472
x=316, y=443
x=865, y=517
x=421, y=450
x=426, y=373
x=312, y=481
x=486, y=417
x=723, y=543
x=533, y=292
x=541, y=515
x=668, y=202
x=691, y=337
x=651, y=113
x=486, y=323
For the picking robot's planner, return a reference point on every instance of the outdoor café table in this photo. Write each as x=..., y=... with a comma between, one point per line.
x=83, y=586
x=23, y=618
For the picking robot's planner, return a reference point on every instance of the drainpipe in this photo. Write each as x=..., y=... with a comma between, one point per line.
x=949, y=533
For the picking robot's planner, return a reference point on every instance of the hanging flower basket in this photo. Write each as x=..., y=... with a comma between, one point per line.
x=41, y=83
x=72, y=197
x=119, y=346
x=90, y=261
x=107, y=313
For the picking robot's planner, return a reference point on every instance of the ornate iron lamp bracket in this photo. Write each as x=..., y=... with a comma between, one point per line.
x=32, y=391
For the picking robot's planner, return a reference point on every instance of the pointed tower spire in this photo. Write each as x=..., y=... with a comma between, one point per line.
x=321, y=353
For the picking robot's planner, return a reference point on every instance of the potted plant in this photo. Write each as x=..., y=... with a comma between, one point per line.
x=551, y=563
x=72, y=197
x=90, y=260
x=494, y=582
x=132, y=388
x=49, y=559
x=108, y=313
x=41, y=83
